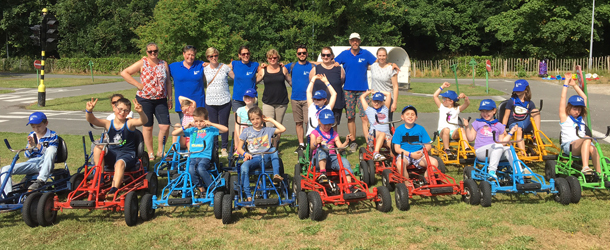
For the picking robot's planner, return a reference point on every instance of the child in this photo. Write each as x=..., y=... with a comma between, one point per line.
x=42, y=157
x=250, y=98
x=188, y=106
x=259, y=140
x=318, y=101
x=521, y=102
x=449, y=106
x=571, y=115
x=411, y=154
x=324, y=135
x=200, y=130
x=381, y=102
x=113, y=99
x=121, y=129
x=481, y=134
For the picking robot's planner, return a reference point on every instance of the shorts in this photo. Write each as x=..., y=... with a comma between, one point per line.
x=275, y=111
x=113, y=156
x=298, y=109
x=338, y=113
x=525, y=125
x=411, y=161
x=565, y=146
x=450, y=134
x=352, y=98
x=157, y=107
x=370, y=141
x=235, y=104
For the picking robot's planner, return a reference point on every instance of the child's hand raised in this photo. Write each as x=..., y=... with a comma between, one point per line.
x=267, y=119
x=571, y=82
x=137, y=106
x=91, y=104
x=322, y=78
x=461, y=96
x=568, y=77
x=205, y=123
x=446, y=85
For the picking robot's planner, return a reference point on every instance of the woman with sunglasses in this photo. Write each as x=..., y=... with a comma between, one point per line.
x=275, y=95
x=244, y=74
x=218, y=96
x=336, y=77
x=154, y=94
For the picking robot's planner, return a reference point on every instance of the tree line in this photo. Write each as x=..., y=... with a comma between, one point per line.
x=427, y=29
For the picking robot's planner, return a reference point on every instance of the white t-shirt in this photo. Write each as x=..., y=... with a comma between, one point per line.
x=312, y=113
x=568, y=130
x=453, y=117
x=217, y=93
x=111, y=116
x=381, y=78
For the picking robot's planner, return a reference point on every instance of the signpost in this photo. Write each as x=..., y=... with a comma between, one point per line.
x=91, y=70
x=583, y=85
x=38, y=66
x=488, y=70
x=473, y=64
x=454, y=68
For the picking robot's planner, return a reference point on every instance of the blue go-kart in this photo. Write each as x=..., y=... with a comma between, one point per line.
x=510, y=181
x=171, y=160
x=181, y=184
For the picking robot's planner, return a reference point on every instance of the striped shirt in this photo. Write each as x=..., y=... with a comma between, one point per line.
x=48, y=140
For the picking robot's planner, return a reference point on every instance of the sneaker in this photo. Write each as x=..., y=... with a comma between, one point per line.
x=322, y=178
x=448, y=152
x=354, y=190
x=378, y=157
x=353, y=146
x=223, y=153
x=36, y=185
x=527, y=171
x=493, y=175
x=299, y=148
x=277, y=178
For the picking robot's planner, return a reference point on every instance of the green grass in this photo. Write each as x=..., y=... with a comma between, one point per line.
x=6, y=91
x=51, y=82
x=469, y=90
x=512, y=222
x=79, y=102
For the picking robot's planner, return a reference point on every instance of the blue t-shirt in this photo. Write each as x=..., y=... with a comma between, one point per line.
x=416, y=130
x=356, y=67
x=188, y=82
x=197, y=137
x=245, y=78
x=300, y=80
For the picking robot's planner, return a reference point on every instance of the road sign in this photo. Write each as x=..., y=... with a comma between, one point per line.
x=37, y=64
x=488, y=65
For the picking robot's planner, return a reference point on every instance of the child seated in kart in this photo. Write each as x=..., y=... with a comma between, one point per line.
x=250, y=98
x=318, y=101
x=188, y=107
x=518, y=110
x=120, y=130
x=379, y=108
x=259, y=140
x=449, y=106
x=572, y=114
x=200, y=130
x=481, y=134
x=325, y=136
x=40, y=159
x=411, y=154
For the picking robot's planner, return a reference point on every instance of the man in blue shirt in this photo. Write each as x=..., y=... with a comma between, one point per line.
x=300, y=79
x=355, y=62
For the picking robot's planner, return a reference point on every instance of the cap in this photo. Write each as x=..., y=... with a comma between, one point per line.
x=576, y=100
x=409, y=107
x=251, y=93
x=378, y=97
x=487, y=104
x=326, y=116
x=451, y=95
x=354, y=35
x=320, y=94
x=520, y=85
x=36, y=118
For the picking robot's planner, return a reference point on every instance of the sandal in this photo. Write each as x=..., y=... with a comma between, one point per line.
x=151, y=157
x=586, y=170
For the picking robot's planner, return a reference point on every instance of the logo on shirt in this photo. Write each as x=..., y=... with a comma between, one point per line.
x=305, y=73
x=196, y=72
x=249, y=73
x=486, y=131
x=361, y=60
x=201, y=133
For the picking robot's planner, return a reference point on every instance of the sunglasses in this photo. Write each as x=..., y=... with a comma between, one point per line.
x=274, y=58
x=213, y=56
x=327, y=55
x=301, y=53
x=113, y=103
x=245, y=54
x=123, y=110
x=153, y=51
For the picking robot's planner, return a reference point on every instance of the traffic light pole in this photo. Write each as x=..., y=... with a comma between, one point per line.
x=42, y=90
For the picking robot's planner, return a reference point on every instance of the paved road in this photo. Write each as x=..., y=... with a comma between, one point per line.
x=13, y=115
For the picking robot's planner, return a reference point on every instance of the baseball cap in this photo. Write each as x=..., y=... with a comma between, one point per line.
x=354, y=35
x=520, y=85
x=451, y=95
x=378, y=96
x=409, y=107
x=326, y=116
x=251, y=93
x=487, y=104
x=320, y=94
x=36, y=118
x=576, y=100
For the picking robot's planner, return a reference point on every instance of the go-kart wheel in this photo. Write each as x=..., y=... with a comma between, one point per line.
x=233, y=185
x=441, y=165
x=549, y=169
x=153, y=182
x=76, y=180
x=281, y=167
x=563, y=188
x=315, y=206
x=364, y=172
x=131, y=209
x=485, y=189
x=575, y=190
x=300, y=154
x=145, y=160
x=473, y=195
x=44, y=211
x=296, y=185
x=218, y=204
x=361, y=152
x=468, y=172
x=227, y=177
x=386, y=180
x=402, y=197
x=302, y=205
x=28, y=212
x=227, y=208
x=372, y=172
x=297, y=169
x=146, y=210
x=385, y=199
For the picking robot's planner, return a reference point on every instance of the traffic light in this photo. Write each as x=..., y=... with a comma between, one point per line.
x=51, y=31
x=36, y=36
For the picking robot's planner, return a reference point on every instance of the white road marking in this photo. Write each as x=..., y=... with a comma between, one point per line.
x=599, y=134
x=22, y=99
x=13, y=117
x=1, y=121
x=549, y=120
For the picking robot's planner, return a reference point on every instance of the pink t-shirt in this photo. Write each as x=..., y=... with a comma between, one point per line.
x=186, y=119
x=327, y=138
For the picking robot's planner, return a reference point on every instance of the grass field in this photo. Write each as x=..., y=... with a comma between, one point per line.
x=512, y=222
x=6, y=91
x=51, y=82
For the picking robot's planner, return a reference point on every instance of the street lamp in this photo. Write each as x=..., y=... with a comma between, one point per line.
x=591, y=44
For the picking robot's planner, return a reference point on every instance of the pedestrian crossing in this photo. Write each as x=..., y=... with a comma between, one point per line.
x=25, y=95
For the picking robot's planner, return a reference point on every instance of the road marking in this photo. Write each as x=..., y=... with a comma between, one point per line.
x=13, y=117
x=1, y=121
x=601, y=135
x=549, y=121
x=22, y=99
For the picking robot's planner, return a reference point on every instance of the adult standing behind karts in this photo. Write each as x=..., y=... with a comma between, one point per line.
x=385, y=78
x=121, y=130
x=244, y=74
x=299, y=72
x=218, y=96
x=188, y=79
x=40, y=160
x=335, y=76
x=154, y=94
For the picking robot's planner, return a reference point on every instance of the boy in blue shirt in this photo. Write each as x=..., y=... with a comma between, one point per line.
x=199, y=131
x=411, y=154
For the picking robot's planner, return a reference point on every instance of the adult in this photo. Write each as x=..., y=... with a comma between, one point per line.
x=385, y=78
x=336, y=77
x=218, y=96
x=275, y=95
x=244, y=74
x=154, y=94
x=188, y=78
x=299, y=72
x=356, y=62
